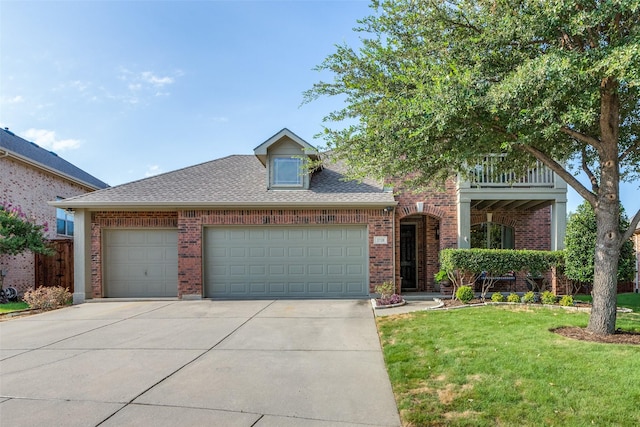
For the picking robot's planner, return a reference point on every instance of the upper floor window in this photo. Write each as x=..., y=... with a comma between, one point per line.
x=287, y=171
x=489, y=235
x=64, y=221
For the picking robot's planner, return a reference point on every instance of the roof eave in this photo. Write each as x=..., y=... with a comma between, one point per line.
x=53, y=171
x=174, y=206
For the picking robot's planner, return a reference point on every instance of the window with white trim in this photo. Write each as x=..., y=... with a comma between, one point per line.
x=287, y=172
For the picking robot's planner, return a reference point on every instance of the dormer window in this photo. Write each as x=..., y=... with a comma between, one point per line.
x=285, y=157
x=287, y=172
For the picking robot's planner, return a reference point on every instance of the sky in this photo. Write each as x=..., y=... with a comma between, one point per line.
x=129, y=89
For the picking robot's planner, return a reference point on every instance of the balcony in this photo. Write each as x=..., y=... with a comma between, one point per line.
x=486, y=174
x=492, y=189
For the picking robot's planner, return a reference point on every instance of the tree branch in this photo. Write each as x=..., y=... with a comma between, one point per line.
x=581, y=137
x=562, y=172
x=632, y=149
x=585, y=167
x=632, y=227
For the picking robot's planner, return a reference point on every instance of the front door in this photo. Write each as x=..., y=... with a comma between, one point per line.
x=408, y=266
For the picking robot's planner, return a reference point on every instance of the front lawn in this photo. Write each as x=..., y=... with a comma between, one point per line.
x=13, y=306
x=500, y=365
x=629, y=300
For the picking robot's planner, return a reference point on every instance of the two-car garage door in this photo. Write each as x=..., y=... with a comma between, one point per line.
x=286, y=261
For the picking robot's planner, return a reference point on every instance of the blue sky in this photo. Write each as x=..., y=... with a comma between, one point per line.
x=128, y=89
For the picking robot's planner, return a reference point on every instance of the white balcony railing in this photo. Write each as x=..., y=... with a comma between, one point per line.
x=486, y=174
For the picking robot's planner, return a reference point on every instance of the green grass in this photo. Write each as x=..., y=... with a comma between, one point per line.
x=13, y=306
x=629, y=300
x=502, y=366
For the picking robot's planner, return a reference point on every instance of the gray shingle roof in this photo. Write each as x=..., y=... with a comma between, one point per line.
x=31, y=152
x=238, y=180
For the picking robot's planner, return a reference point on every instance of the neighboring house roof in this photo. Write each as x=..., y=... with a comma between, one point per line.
x=234, y=181
x=35, y=155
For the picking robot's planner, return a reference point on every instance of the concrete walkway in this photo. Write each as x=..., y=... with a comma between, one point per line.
x=195, y=363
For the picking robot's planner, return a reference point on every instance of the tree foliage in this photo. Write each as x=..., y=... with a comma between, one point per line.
x=436, y=85
x=580, y=244
x=19, y=234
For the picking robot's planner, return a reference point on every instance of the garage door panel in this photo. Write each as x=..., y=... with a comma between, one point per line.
x=281, y=261
x=140, y=263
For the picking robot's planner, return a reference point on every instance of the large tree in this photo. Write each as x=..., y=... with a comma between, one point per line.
x=435, y=85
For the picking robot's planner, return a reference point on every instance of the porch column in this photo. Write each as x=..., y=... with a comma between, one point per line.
x=558, y=224
x=81, y=256
x=464, y=222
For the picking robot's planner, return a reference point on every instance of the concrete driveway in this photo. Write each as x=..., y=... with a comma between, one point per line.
x=214, y=363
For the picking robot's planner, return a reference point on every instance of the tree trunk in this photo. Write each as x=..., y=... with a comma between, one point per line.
x=605, y=281
x=607, y=210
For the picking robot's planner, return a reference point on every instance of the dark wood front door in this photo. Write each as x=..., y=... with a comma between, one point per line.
x=408, y=266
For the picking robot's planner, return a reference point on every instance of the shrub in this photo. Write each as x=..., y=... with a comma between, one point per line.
x=566, y=301
x=497, y=297
x=385, y=289
x=47, y=298
x=529, y=297
x=548, y=297
x=513, y=297
x=581, y=242
x=465, y=294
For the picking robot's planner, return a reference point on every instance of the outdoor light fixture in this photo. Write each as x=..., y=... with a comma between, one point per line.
x=489, y=216
x=420, y=206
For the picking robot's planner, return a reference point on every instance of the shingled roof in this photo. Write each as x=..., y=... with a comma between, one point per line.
x=30, y=152
x=234, y=181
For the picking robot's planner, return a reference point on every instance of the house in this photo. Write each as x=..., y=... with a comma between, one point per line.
x=30, y=177
x=267, y=226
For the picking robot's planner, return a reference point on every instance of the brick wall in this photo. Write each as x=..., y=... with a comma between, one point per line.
x=190, y=225
x=30, y=188
x=437, y=228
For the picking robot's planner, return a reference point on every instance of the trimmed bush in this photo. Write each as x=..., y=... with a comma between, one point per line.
x=385, y=289
x=513, y=297
x=529, y=297
x=548, y=297
x=566, y=301
x=497, y=297
x=465, y=294
x=47, y=298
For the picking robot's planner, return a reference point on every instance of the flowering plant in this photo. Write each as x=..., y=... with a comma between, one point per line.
x=18, y=233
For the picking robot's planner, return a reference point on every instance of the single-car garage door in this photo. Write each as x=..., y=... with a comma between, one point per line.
x=283, y=261
x=140, y=263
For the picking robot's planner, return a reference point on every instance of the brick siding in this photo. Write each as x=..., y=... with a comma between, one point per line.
x=31, y=188
x=190, y=225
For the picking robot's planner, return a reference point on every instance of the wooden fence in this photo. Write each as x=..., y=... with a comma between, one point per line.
x=57, y=269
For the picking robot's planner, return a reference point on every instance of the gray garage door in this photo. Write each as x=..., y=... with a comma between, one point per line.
x=275, y=261
x=140, y=263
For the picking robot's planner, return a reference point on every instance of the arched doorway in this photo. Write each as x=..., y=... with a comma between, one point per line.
x=418, y=252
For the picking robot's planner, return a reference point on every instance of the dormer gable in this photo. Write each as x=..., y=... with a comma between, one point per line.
x=285, y=156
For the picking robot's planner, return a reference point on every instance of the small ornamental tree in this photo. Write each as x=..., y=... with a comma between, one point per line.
x=19, y=233
x=580, y=244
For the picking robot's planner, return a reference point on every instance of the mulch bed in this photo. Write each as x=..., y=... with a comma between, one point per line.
x=573, y=332
x=619, y=337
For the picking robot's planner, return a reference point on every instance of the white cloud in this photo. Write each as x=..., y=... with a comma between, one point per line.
x=14, y=100
x=151, y=78
x=152, y=170
x=47, y=139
